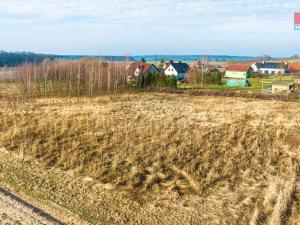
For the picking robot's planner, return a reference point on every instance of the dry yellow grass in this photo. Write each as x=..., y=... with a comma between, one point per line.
x=182, y=159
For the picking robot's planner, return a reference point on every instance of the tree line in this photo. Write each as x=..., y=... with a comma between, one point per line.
x=92, y=77
x=13, y=59
x=84, y=77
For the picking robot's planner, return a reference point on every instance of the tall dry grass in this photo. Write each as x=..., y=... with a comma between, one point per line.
x=85, y=77
x=237, y=154
x=138, y=144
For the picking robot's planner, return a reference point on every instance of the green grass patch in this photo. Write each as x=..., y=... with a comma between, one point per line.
x=256, y=84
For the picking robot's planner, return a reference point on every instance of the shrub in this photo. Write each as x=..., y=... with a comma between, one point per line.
x=157, y=80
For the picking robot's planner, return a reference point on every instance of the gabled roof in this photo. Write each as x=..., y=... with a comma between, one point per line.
x=147, y=67
x=282, y=83
x=133, y=66
x=144, y=67
x=270, y=65
x=180, y=67
x=294, y=67
x=238, y=67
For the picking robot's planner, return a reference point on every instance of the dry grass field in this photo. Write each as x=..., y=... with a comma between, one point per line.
x=150, y=158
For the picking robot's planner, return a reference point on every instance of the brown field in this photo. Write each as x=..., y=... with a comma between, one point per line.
x=156, y=158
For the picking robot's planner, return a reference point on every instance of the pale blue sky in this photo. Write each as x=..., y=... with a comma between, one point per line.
x=131, y=27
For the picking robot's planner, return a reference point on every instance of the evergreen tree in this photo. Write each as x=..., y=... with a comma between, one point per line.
x=218, y=78
x=141, y=81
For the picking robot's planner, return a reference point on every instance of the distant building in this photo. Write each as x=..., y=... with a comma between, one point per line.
x=294, y=68
x=270, y=68
x=237, y=83
x=282, y=87
x=179, y=70
x=138, y=68
x=238, y=71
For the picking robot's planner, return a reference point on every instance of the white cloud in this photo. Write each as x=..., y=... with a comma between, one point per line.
x=135, y=11
x=215, y=24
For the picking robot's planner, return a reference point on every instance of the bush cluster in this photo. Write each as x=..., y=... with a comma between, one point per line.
x=156, y=80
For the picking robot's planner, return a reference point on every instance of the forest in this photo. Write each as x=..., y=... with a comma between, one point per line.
x=13, y=59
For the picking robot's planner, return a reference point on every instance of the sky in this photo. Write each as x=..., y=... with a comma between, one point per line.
x=141, y=27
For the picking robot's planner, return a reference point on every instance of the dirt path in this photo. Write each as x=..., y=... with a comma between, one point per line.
x=14, y=210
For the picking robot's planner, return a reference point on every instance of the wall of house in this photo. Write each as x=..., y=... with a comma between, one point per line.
x=236, y=83
x=170, y=71
x=280, y=88
x=271, y=71
x=236, y=74
x=137, y=72
x=254, y=67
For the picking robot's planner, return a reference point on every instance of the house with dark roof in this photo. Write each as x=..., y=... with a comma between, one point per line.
x=275, y=68
x=139, y=68
x=238, y=71
x=179, y=70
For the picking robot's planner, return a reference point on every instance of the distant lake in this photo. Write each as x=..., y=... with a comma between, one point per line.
x=191, y=58
x=157, y=58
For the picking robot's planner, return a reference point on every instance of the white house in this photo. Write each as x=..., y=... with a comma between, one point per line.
x=179, y=70
x=270, y=68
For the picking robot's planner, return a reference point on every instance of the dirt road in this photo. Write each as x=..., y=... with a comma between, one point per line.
x=14, y=210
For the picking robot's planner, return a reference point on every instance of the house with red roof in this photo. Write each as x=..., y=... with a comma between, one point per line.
x=139, y=68
x=293, y=67
x=238, y=71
